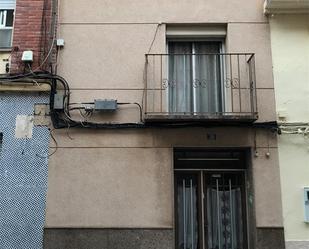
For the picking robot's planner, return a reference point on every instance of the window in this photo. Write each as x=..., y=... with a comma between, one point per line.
x=6, y=27
x=210, y=204
x=195, y=70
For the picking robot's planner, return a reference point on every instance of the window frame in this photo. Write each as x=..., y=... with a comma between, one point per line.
x=193, y=39
x=3, y=15
x=191, y=160
x=3, y=26
x=201, y=175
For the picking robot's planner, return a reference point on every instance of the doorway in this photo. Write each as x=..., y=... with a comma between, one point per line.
x=210, y=200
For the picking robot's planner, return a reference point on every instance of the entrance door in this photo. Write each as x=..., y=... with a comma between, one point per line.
x=210, y=210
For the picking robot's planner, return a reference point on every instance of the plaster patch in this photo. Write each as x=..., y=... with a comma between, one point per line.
x=23, y=126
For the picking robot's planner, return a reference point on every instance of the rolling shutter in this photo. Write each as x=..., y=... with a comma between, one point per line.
x=7, y=4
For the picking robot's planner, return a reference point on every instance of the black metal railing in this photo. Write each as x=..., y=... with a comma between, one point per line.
x=209, y=86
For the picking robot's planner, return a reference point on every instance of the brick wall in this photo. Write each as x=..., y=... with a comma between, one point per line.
x=32, y=31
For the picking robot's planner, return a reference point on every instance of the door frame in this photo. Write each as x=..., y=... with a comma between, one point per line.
x=242, y=168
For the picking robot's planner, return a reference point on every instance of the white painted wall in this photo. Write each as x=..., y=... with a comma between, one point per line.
x=3, y=61
x=290, y=49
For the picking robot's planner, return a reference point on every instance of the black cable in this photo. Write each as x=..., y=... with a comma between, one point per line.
x=139, y=106
x=59, y=122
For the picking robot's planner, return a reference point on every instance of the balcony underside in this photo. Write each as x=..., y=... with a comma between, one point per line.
x=286, y=6
x=201, y=118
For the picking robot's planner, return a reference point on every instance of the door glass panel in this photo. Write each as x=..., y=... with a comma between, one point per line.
x=225, y=212
x=187, y=210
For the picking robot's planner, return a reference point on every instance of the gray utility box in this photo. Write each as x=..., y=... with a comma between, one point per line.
x=58, y=101
x=105, y=105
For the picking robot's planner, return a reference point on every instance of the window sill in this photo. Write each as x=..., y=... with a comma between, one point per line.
x=6, y=49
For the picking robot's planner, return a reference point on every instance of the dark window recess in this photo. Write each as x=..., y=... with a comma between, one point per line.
x=9, y=18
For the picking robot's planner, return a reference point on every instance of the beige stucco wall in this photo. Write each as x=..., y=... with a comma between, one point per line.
x=294, y=158
x=124, y=178
x=290, y=48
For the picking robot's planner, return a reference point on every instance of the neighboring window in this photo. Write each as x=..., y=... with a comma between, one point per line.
x=6, y=27
x=195, y=71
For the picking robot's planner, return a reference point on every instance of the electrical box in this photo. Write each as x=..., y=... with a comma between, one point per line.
x=27, y=56
x=60, y=42
x=105, y=105
x=58, y=101
x=306, y=202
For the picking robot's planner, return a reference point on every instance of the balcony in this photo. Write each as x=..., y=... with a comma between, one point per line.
x=213, y=88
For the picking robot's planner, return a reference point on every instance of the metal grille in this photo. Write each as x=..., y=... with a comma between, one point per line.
x=211, y=86
x=23, y=176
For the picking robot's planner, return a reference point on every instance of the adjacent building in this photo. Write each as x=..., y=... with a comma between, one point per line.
x=24, y=139
x=162, y=122
x=289, y=25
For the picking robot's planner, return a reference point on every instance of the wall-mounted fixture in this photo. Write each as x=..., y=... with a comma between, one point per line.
x=27, y=56
x=105, y=105
x=60, y=43
x=58, y=101
x=306, y=203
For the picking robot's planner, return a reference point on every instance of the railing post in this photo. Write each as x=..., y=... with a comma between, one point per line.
x=239, y=88
x=231, y=83
x=254, y=84
x=251, y=84
x=145, y=82
x=161, y=80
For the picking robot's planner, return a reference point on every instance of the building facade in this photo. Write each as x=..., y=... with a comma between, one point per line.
x=163, y=124
x=289, y=25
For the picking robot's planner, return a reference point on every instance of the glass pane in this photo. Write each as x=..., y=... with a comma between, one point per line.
x=187, y=220
x=207, y=74
x=180, y=77
x=2, y=18
x=5, y=38
x=195, y=77
x=9, y=18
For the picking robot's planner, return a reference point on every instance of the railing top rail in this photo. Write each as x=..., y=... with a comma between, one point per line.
x=249, y=54
x=250, y=58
